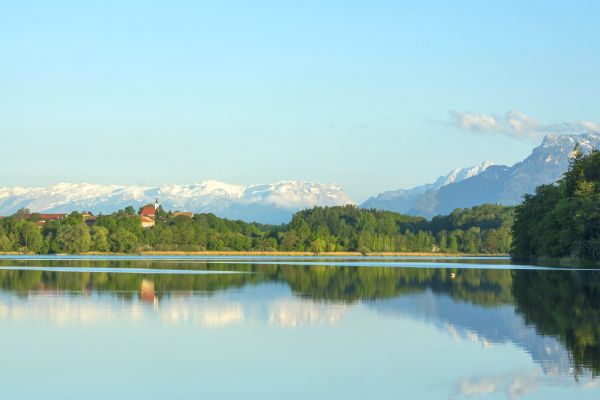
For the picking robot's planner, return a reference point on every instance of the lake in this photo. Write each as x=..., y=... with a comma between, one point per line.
x=297, y=328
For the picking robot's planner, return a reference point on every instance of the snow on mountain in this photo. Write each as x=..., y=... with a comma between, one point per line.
x=402, y=200
x=459, y=174
x=268, y=203
x=506, y=185
x=487, y=183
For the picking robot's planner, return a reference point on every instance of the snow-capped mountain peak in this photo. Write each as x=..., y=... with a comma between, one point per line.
x=402, y=200
x=459, y=174
x=586, y=141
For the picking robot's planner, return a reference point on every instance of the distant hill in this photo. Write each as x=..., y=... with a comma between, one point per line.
x=267, y=203
x=499, y=184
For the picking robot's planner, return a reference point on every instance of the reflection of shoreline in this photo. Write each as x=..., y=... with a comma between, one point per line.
x=260, y=253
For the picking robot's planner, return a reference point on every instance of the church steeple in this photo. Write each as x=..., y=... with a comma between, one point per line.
x=156, y=205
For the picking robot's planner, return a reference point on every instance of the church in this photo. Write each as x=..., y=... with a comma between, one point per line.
x=148, y=214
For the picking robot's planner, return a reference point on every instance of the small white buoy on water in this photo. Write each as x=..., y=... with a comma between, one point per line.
x=453, y=275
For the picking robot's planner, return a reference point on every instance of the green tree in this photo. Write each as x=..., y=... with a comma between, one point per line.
x=99, y=239
x=123, y=241
x=443, y=241
x=562, y=220
x=453, y=245
x=30, y=236
x=318, y=246
x=5, y=243
x=73, y=238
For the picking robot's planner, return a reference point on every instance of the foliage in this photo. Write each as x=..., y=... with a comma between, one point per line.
x=562, y=220
x=483, y=229
x=73, y=238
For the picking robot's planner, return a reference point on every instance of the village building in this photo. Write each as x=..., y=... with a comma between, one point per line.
x=147, y=222
x=51, y=217
x=89, y=218
x=41, y=219
x=148, y=211
x=183, y=214
x=148, y=215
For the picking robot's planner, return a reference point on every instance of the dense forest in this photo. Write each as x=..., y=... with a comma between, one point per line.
x=481, y=229
x=562, y=220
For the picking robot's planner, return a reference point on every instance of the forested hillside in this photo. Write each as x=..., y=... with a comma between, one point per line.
x=562, y=220
x=482, y=229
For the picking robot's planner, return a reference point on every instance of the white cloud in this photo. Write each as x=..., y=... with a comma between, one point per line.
x=475, y=122
x=592, y=126
x=516, y=124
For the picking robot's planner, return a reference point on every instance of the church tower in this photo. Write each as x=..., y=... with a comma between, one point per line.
x=156, y=205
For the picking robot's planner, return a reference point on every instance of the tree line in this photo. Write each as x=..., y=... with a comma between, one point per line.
x=562, y=220
x=481, y=229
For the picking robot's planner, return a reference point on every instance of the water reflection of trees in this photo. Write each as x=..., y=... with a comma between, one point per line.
x=485, y=287
x=566, y=305
x=563, y=304
x=348, y=284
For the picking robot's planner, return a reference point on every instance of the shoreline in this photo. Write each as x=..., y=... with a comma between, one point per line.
x=268, y=253
x=561, y=261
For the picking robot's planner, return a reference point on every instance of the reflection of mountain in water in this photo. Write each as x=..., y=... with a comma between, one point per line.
x=484, y=326
x=483, y=305
x=268, y=303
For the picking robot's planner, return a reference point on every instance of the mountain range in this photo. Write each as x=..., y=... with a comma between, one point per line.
x=403, y=200
x=275, y=202
x=269, y=203
x=487, y=183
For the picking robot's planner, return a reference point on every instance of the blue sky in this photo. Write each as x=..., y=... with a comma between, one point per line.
x=371, y=95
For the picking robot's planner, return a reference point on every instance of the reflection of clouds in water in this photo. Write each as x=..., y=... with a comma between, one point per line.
x=223, y=317
x=513, y=385
x=62, y=310
x=173, y=310
x=467, y=335
x=484, y=386
x=516, y=385
x=96, y=309
x=180, y=310
x=591, y=384
x=292, y=313
x=4, y=311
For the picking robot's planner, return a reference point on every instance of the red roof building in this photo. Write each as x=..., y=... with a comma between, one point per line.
x=148, y=211
x=183, y=214
x=147, y=222
x=52, y=217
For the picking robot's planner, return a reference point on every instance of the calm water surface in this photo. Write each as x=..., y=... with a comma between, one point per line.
x=296, y=328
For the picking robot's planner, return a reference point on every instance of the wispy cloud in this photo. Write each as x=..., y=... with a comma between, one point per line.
x=515, y=124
